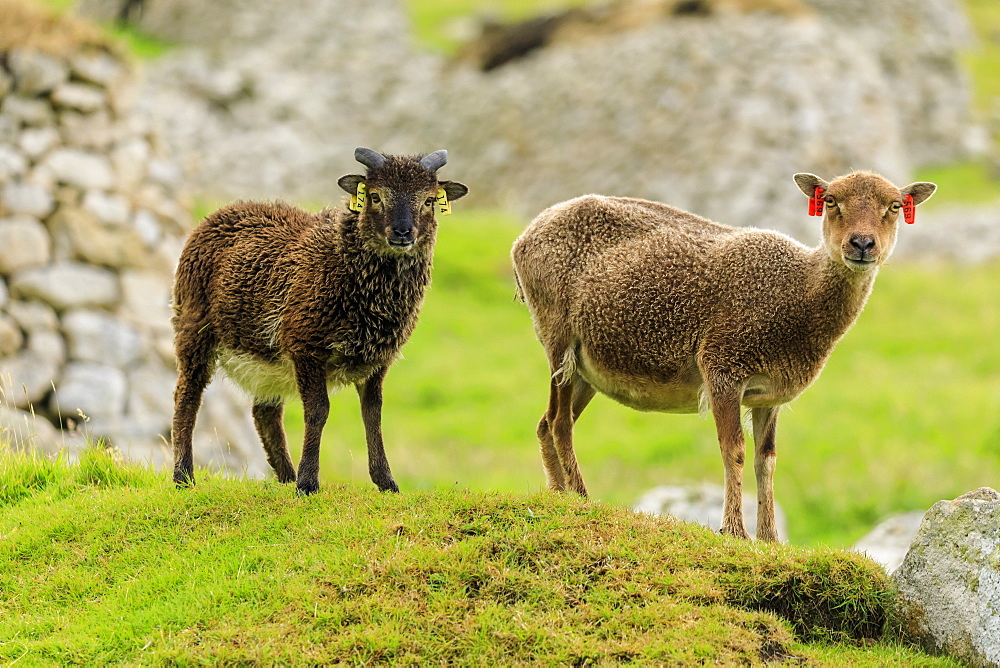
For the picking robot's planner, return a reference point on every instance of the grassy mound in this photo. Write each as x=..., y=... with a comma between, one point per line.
x=102, y=563
x=902, y=416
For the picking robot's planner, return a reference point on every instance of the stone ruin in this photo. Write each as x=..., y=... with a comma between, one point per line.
x=92, y=220
x=711, y=111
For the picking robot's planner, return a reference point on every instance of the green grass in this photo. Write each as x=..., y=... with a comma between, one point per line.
x=968, y=183
x=983, y=60
x=120, y=567
x=975, y=182
x=903, y=415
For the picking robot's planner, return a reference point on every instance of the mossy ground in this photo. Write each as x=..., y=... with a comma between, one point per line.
x=103, y=563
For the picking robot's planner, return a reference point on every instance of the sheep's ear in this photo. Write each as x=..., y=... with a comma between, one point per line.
x=921, y=191
x=454, y=189
x=807, y=183
x=350, y=183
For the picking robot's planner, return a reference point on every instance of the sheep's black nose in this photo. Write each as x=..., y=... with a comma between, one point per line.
x=403, y=233
x=863, y=243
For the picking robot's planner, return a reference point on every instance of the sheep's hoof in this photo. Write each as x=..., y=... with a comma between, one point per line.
x=305, y=488
x=391, y=486
x=183, y=479
x=739, y=532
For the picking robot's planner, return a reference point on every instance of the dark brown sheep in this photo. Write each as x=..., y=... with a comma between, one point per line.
x=288, y=301
x=664, y=311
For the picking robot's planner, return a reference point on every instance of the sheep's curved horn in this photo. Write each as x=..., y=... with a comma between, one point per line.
x=435, y=161
x=368, y=157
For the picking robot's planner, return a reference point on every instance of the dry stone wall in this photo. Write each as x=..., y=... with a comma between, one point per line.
x=713, y=114
x=91, y=224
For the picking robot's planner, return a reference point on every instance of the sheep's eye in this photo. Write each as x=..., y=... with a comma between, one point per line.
x=374, y=198
x=829, y=201
x=429, y=201
x=894, y=207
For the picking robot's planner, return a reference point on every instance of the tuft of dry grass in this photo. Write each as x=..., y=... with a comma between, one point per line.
x=27, y=25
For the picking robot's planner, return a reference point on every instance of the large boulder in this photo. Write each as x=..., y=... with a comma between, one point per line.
x=949, y=582
x=702, y=504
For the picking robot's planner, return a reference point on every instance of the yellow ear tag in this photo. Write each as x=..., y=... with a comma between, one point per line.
x=358, y=200
x=442, y=200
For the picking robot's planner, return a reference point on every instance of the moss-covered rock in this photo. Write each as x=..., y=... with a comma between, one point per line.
x=949, y=582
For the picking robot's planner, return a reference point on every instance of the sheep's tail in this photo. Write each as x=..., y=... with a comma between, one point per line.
x=567, y=370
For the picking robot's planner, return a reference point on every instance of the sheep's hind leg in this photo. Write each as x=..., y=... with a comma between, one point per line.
x=310, y=374
x=560, y=418
x=550, y=456
x=370, y=394
x=765, y=421
x=726, y=411
x=192, y=378
x=267, y=419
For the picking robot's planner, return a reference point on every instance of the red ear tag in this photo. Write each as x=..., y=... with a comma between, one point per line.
x=816, y=202
x=909, y=209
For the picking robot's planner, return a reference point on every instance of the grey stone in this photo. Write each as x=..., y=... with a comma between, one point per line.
x=12, y=163
x=82, y=97
x=11, y=338
x=151, y=403
x=33, y=316
x=49, y=345
x=702, y=504
x=9, y=129
x=96, y=243
x=25, y=379
x=89, y=131
x=35, y=73
x=24, y=242
x=949, y=582
x=165, y=172
x=98, y=336
x=98, y=391
x=65, y=285
x=35, y=142
x=28, y=198
x=97, y=67
x=889, y=541
x=112, y=209
x=129, y=159
x=146, y=297
x=4, y=293
x=30, y=112
x=79, y=168
x=22, y=429
x=147, y=227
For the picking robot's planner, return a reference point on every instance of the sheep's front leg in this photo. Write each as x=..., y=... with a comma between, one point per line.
x=726, y=411
x=765, y=421
x=370, y=393
x=310, y=374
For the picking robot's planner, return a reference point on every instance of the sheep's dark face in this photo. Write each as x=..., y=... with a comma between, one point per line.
x=401, y=193
x=862, y=212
